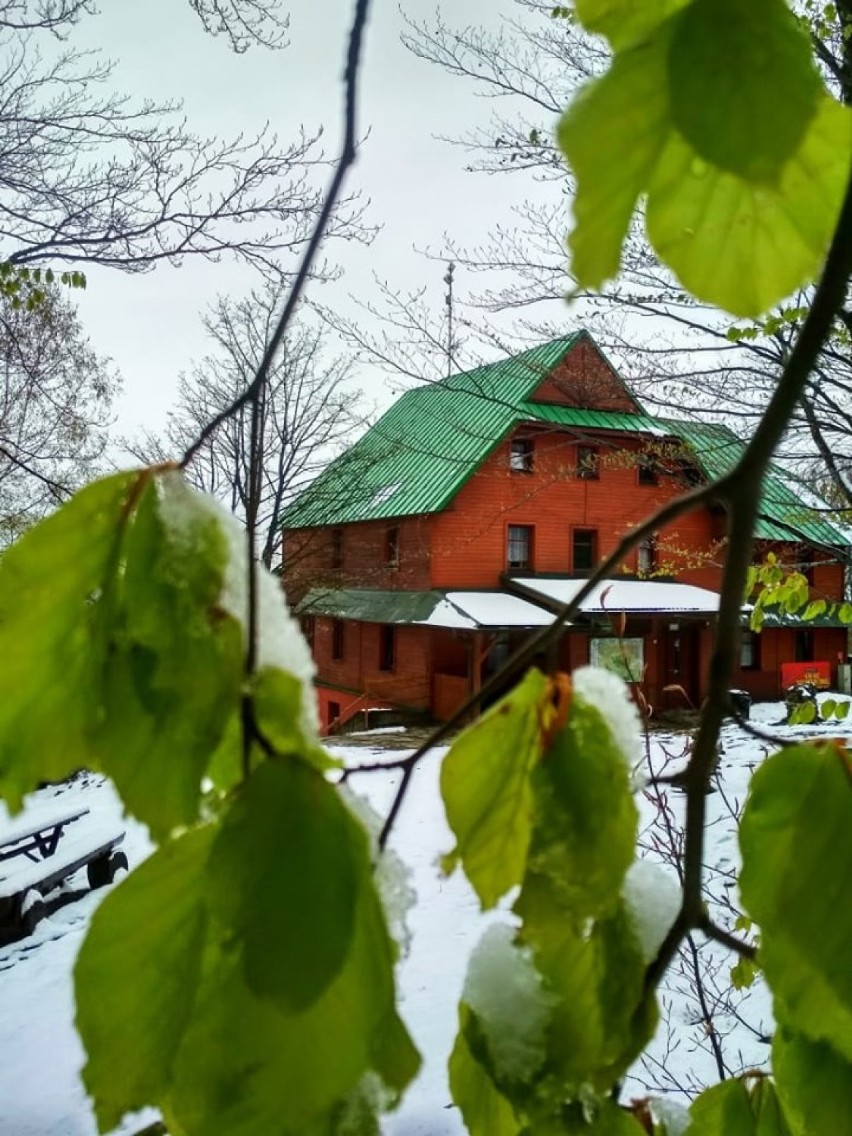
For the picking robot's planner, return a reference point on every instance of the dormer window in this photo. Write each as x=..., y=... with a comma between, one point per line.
x=521, y=455
x=588, y=463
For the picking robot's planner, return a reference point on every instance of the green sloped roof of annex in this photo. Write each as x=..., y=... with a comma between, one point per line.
x=421, y=452
x=432, y=440
x=783, y=515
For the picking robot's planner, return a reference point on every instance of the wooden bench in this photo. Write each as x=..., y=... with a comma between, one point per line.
x=38, y=854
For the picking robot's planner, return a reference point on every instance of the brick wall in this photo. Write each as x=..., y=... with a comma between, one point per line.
x=366, y=551
x=407, y=684
x=469, y=539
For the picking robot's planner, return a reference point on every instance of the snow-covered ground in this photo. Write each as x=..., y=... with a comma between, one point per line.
x=40, y=1055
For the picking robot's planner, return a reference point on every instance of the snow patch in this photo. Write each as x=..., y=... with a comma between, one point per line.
x=608, y=694
x=280, y=640
x=671, y=1114
x=505, y=991
x=392, y=874
x=653, y=899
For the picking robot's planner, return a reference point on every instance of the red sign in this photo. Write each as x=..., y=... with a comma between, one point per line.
x=817, y=674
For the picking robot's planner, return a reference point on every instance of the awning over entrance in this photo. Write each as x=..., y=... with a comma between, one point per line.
x=470, y=611
x=633, y=597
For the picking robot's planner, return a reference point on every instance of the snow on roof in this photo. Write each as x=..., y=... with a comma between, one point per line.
x=628, y=595
x=486, y=609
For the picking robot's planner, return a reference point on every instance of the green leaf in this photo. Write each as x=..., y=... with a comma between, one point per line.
x=844, y=613
x=172, y=660
x=136, y=977
x=736, y=1108
x=817, y=607
x=743, y=973
x=486, y=791
x=742, y=245
x=764, y=96
x=742, y=213
x=284, y=879
x=585, y=816
x=50, y=581
x=624, y=22
x=278, y=702
x=246, y=1068
x=486, y=1112
x=814, y=1084
x=827, y=707
x=803, y=714
x=841, y=710
x=601, y=1019
x=797, y=863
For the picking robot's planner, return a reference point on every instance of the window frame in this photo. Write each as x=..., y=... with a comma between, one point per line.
x=387, y=647
x=576, y=533
x=337, y=549
x=647, y=471
x=749, y=652
x=392, y=547
x=647, y=546
x=588, y=463
x=522, y=454
x=528, y=532
x=338, y=640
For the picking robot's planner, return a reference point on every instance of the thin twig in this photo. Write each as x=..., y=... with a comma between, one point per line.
x=739, y=490
x=347, y=158
x=720, y=935
x=539, y=642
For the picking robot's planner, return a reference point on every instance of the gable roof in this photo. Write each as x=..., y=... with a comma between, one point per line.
x=421, y=452
x=434, y=437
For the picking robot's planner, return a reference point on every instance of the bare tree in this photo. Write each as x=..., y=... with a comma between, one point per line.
x=307, y=413
x=55, y=399
x=681, y=354
x=91, y=176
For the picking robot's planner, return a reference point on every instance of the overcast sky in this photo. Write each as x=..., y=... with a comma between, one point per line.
x=149, y=324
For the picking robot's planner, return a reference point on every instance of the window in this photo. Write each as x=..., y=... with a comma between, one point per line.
x=520, y=546
x=387, y=647
x=336, y=549
x=392, y=548
x=521, y=455
x=333, y=713
x=585, y=549
x=308, y=624
x=750, y=651
x=647, y=470
x=646, y=556
x=588, y=465
x=338, y=638
x=803, y=645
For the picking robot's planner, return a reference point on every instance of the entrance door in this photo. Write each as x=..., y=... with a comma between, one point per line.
x=681, y=655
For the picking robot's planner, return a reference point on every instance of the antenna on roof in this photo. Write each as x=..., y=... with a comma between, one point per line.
x=448, y=299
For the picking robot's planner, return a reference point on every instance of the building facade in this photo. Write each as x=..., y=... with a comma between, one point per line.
x=452, y=531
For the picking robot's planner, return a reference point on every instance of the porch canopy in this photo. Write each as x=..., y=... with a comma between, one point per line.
x=457, y=610
x=632, y=597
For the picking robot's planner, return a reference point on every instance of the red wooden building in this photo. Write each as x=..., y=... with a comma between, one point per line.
x=449, y=532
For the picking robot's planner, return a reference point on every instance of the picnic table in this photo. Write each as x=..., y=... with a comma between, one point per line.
x=38, y=853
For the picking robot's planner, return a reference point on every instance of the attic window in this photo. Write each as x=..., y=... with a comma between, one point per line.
x=588, y=463
x=521, y=455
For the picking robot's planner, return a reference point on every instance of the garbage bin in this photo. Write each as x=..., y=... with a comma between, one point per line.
x=740, y=703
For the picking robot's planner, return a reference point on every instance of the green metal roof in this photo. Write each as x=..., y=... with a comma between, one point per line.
x=371, y=605
x=420, y=453
x=783, y=515
x=417, y=457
